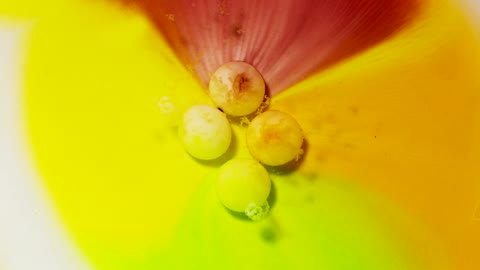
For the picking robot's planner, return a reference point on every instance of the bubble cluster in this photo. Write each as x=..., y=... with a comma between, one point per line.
x=257, y=212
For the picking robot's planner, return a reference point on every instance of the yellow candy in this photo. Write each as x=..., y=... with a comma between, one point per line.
x=274, y=138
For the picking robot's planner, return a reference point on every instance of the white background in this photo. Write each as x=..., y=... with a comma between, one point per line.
x=31, y=237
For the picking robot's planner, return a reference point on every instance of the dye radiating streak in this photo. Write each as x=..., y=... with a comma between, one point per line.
x=135, y=208
x=31, y=236
x=285, y=40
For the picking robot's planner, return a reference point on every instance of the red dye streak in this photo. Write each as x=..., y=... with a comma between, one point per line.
x=286, y=40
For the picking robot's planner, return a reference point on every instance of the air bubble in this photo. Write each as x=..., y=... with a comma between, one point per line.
x=165, y=105
x=257, y=212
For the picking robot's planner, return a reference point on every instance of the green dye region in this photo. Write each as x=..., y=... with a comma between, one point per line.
x=341, y=229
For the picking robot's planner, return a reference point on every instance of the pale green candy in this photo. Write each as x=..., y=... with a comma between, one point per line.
x=243, y=183
x=205, y=132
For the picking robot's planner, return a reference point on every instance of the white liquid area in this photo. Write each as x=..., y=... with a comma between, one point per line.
x=31, y=237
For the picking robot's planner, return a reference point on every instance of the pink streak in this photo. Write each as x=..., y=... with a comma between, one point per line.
x=286, y=40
